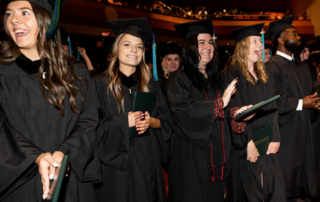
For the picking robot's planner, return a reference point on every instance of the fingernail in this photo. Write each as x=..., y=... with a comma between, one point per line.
x=138, y=122
x=44, y=197
x=51, y=176
x=56, y=165
x=67, y=175
x=55, y=177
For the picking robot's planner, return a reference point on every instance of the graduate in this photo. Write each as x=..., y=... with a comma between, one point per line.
x=260, y=174
x=47, y=107
x=293, y=81
x=198, y=101
x=171, y=61
x=131, y=167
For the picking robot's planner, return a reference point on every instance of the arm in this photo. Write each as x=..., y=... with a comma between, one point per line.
x=86, y=58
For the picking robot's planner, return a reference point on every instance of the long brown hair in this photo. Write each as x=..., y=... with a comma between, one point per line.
x=142, y=72
x=54, y=62
x=240, y=57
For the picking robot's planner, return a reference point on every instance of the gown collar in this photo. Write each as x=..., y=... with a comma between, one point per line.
x=27, y=65
x=128, y=81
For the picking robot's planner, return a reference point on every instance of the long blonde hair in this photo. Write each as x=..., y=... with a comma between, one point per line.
x=142, y=71
x=240, y=56
x=164, y=67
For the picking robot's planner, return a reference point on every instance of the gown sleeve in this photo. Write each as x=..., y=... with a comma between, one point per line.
x=113, y=130
x=194, y=118
x=81, y=144
x=286, y=106
x=241, y=132
x=17, y=157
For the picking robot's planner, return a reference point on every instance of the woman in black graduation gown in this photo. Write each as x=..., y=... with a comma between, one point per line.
x=201, y=146
x=259, y=174
x=170, y=54
x=47, y=110
x=131, y=167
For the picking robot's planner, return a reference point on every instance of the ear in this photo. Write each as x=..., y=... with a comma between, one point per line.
x=280, y=40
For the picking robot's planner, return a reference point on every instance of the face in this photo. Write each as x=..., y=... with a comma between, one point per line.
x=291, y=40
x=305, y=54
x=66, y=48
x=99, y=44
x=130, y=51
x=255, y=49
x=22, y=24
x=267, y=54
x=172, y=62
x=205, y=49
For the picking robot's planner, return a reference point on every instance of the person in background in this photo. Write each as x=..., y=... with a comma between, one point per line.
x=294, y=84
x=267, y=52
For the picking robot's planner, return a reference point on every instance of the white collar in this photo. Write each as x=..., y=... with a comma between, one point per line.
x=285, y=55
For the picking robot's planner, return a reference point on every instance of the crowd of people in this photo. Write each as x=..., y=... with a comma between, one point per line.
x=53, y=105
x=203, y=12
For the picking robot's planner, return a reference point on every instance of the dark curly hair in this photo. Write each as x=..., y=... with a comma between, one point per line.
x=190, y=62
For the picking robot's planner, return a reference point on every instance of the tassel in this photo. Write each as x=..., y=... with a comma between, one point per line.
x=270, y=52
x=214, y=36
x=262, y=36
x=222, y=170
x=70, y=48
x=154, y=60
x=51, y=30
x=78, y=55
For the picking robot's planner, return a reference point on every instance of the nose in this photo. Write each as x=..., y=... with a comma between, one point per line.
x=15, y=19
x=134, y=49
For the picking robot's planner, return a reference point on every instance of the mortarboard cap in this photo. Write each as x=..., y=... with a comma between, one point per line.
x=64, y=36
x=46, y=4
x=189, y=29
x=138, y=27
x=279, y=26
x=170, y=47
x=243, y=32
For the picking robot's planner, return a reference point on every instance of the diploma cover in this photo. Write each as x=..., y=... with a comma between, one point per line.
x=316, y=89
x=255, y=108
x=262, y=138
x=142, y=102
x=56, y=183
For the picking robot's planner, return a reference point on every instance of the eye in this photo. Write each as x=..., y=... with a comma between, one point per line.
x=25, y=13
x=140, y=47
x=201, y=42
x=169, y=59
x=8, y=14
x=125, y=44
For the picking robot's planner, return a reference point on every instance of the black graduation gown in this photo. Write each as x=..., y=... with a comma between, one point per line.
x=131, y=167
x=190, y=172
x=293, y=82
x=273, y=188
x=30, y=125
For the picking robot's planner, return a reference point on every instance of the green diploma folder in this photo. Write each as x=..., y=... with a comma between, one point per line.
x=56, y=183
x=262, y=138
x=255, y=108
x=316, y=89
x=142, y=102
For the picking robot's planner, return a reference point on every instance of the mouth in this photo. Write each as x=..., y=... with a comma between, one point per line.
x=257, y=52
x=21, y=32
x=132, y=57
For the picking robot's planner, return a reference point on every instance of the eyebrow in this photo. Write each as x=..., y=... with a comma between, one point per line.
x=131, y=42
x=22, y=8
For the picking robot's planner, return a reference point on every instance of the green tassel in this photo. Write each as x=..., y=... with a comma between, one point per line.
x=52, y=29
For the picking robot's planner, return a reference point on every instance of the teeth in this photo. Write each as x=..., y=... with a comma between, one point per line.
x=21, y=31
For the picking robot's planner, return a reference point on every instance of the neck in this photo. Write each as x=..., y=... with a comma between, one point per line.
x=127, y=70
x=202, y=69
x=251, y=69
x=32, y=54
x=284, y=50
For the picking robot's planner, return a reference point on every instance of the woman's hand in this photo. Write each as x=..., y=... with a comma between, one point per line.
x=82, y=51
x=45, y=163
x=243, y=109
x=230, y=90
x=134, y=118
x=252, y=152
x=273, y=148
x=142, y=126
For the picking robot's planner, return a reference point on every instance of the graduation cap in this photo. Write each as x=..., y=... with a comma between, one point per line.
x=170, y=47
x=54, y=7
x=279, y=26
x=243, y=32
x=64, y=36
x=138, y=27
x=189, y=29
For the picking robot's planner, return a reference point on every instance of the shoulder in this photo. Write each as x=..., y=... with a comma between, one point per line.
x=80, y=68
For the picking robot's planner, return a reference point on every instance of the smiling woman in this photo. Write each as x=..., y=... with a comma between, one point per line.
x=47, y=108
x=131, y=167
